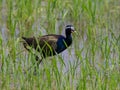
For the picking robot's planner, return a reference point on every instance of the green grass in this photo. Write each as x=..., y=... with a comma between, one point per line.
x=91, y=63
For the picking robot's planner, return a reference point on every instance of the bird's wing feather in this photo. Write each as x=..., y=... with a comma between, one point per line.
x=49, y=40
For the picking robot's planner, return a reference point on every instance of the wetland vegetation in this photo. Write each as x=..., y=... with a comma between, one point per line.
x=91, y=63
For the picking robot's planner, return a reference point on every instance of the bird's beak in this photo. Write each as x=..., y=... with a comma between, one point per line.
x=73, y=31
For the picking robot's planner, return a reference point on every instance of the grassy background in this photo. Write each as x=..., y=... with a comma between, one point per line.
x=91, y=63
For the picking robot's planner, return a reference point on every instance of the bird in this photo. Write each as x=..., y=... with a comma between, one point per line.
x=49, y=45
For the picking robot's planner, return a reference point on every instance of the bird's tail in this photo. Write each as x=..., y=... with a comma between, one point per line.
x=24, y=41
x=24, y=38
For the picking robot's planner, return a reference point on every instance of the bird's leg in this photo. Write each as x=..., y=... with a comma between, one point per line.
x=38, y=61
x=35, y=65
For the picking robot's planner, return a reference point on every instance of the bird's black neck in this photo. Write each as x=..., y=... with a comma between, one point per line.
x=68, y=40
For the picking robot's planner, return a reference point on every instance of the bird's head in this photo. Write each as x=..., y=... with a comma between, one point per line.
x=69, y=29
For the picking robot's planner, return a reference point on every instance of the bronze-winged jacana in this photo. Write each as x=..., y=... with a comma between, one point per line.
x=49, y=45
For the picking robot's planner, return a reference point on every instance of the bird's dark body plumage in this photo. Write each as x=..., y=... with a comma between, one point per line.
x=49, y=45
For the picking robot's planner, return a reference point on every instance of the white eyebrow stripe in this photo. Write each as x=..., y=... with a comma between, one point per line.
x=70, y=27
